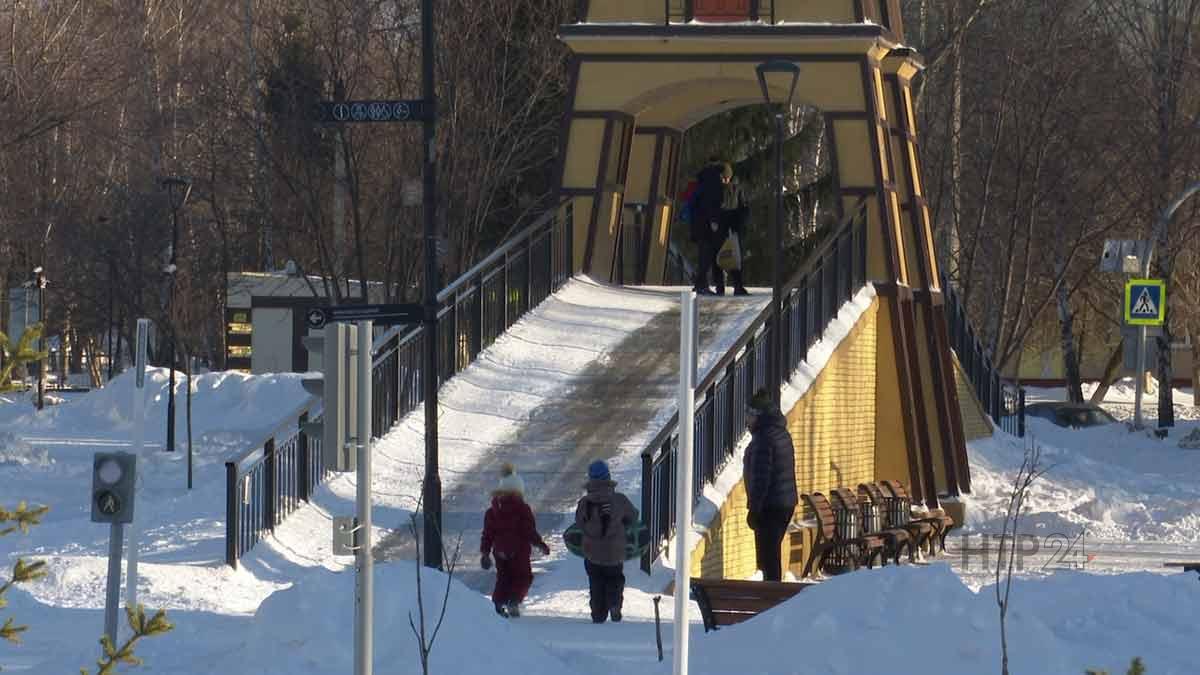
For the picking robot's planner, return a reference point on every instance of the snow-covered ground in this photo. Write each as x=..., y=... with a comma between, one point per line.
x=288, y=608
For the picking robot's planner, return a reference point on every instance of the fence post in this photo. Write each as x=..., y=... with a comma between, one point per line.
x=231, y=514
x=648, y=510
x=303, y=460
x=529, y=273
x=1021, y=412
x=731, y=408
x=270, y=483
x=476, y=318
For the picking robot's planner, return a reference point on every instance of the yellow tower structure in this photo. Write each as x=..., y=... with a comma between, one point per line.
x=644, y=71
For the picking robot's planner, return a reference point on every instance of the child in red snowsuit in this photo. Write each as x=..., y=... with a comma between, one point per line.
x=510, y=533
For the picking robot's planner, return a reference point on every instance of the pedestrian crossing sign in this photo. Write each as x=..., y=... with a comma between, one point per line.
x=1145, y=302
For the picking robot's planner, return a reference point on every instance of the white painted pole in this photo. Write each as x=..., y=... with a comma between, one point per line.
x=139, y=440
x=683, y=477
x=364, y=608
x=1139, y=384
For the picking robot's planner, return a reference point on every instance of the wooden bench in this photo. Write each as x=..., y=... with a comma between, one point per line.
x=724, y=602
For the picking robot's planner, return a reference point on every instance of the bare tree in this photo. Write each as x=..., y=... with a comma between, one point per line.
x=1030, y=470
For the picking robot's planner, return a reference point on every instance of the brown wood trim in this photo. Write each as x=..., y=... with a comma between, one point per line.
x=891, y=254
x=904, y=381
x=942, y=335
x=606, y=144
x=602, y=115
x=860, y=14
x=594, y=30
x=577, y=192
x=916, y=220
x=951, y=437
x=919, y=413
x=564, y=131
x=652, y=210
x=805, y=57
x=892, y=289
x=831, y=143
x=239, y=339
x=237, y=362
x=933, y=296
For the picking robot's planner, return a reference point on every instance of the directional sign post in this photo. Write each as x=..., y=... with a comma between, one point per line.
x=1145, y=302
x=1145, y=305
x=380, y=315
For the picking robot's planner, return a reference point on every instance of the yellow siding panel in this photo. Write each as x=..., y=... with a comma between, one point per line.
x=833, y=429
x=976, y=423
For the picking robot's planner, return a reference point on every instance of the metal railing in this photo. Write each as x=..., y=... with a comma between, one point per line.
x=264, y=484
x=1012, y=412
x=719, y=11
x=830, y=276
x=998, y=398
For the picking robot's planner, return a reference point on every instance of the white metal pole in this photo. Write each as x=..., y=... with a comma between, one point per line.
x=683, y=477
x=1140, y=379
x=139, y=440
x=364, y=597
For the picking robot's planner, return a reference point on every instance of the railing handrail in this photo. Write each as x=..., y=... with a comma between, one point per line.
x=269, y=480
x=290, y=419
x=826, y=280
x=748, y=335
x=408, y=332
x=499, y=253
x=819, y=252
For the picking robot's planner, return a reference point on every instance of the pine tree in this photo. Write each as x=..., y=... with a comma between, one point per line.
x=22, y=518
x=18, y=354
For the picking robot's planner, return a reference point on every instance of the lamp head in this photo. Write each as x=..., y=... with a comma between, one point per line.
x=178, y=190
x=780, y=73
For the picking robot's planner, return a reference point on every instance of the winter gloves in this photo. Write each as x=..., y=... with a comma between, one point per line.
x=485, y=562
x=545, y=548
x=751, y=520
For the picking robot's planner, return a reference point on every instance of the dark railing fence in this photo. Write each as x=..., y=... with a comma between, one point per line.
x=1005, y=402
x=1012, y=413
x=719, y=11
x=830, y=277
x=264, y=484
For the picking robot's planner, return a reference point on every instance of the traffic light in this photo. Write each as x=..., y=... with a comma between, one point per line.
x=336, y=385
x=113, y=480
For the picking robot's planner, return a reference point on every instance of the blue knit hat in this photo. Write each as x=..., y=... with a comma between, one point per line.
x=598, y=470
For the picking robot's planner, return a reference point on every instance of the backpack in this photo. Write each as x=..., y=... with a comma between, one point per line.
x=690, y=198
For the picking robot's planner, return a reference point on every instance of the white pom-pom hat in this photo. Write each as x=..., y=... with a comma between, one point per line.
x=510, y=482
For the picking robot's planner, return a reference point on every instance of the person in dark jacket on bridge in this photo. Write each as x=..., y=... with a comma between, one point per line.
x=769, y=471
x=706, y=221
x=510, y=533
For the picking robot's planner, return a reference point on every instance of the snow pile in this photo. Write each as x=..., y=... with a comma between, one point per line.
x=1120, y=486
x=876, y=620
x=226, y=407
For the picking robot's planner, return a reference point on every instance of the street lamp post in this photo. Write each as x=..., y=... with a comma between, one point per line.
x=787, y=73
x=177, y=190
x=39, y=279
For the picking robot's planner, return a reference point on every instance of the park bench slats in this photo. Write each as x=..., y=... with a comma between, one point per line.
x=724, y=602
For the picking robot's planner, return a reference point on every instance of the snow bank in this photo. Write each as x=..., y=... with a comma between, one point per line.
x=225, y=407
x=877, y=620
x=1120, y=486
